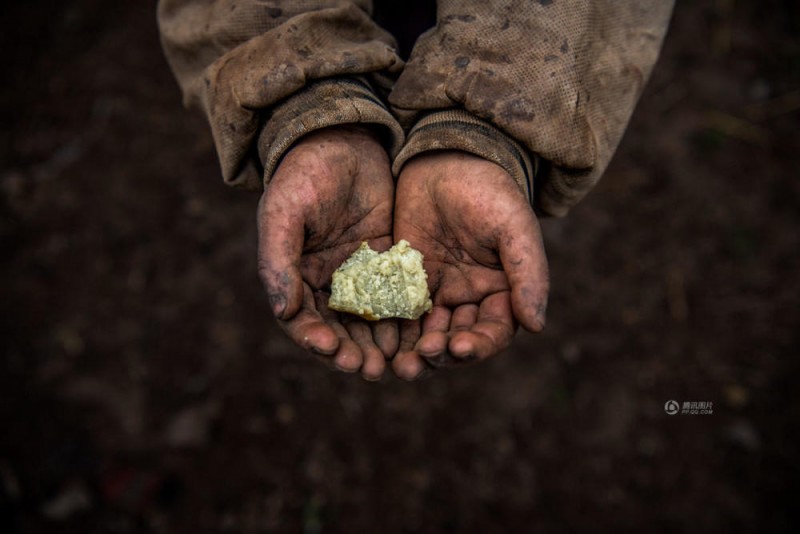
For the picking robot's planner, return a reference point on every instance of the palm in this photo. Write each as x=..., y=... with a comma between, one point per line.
x=483, y=255
x=332, y=234
x=332, y=191
x=461, y=261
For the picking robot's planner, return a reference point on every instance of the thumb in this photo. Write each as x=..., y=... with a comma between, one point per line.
x=280, y=247
x=522, y=254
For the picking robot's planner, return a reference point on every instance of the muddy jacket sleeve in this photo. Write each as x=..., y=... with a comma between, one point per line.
x=531, y=84
x=267, y=73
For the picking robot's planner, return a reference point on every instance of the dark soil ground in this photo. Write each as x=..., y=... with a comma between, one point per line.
x=146, y=389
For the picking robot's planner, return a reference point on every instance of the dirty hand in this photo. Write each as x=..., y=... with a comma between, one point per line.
x=331, y=191
x=484, y=257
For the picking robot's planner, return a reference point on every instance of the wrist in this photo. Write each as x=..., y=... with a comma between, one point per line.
x=459, y=170
x=456, y=131
x=339, y=108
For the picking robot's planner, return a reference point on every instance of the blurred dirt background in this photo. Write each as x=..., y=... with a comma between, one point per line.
x=144, y=387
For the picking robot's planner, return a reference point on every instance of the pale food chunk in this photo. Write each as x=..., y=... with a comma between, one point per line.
x=378, y=286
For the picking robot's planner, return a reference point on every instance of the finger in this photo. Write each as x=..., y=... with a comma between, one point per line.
x=408, y=364
x=387, y=336
x=280, y=247
x=434, y=333
x=432, y=348
x=349, y=357
x=374, y=361
x=309, y=330
x=432, y=344
x=525, y=263
x=491, y=333
x=438, y=320
x=464, y=317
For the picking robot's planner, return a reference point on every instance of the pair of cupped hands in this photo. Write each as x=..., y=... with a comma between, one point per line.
x=481, y=241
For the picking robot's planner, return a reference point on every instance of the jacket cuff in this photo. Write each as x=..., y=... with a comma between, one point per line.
x=321, y=104
x=456, y=129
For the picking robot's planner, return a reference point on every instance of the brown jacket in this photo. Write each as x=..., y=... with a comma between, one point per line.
x=544, y=88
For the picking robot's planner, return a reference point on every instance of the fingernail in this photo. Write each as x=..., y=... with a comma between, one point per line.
x=424, y=373
x=342, y=363
x=371, y=378
x=278, y=303
x=437, y=361
x=541, y=317
x=320, y=352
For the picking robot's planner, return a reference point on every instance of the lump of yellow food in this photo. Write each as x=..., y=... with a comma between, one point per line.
x=378, y=286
